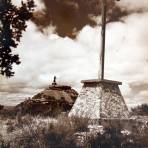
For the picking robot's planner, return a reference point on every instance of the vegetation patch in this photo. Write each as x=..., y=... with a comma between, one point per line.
x=63, y=132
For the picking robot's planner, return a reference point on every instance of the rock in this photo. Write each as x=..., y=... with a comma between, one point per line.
x=51, y=101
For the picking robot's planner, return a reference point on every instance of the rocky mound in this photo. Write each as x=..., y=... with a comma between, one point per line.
x=51, y=101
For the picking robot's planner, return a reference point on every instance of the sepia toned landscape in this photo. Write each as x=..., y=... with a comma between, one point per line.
x=73, y=74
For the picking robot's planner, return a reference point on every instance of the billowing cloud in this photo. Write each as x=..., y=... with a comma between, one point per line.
x=132, y=5
x=69, y=16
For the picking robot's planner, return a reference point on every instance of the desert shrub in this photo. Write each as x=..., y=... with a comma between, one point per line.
x=61, y=133
x=10, y=126
x=3, y=143
x=80, y=124
x=114, y=138
x=24, y=120
x=19, y=123
x=60, y=139
x=42, y=134
x=141, y=110
x=31, y=132
x=8, y=113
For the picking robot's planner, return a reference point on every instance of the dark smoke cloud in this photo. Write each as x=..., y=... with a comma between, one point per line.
x=70, y=16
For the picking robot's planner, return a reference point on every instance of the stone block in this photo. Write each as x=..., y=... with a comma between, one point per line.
x=100, y=99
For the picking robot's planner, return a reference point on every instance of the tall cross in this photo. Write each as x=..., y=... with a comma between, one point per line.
x=103, y=34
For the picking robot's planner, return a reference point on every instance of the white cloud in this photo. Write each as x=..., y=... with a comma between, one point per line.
x=134, y=4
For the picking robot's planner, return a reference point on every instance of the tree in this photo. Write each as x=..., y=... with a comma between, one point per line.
x=12, y=24
x=141, y=110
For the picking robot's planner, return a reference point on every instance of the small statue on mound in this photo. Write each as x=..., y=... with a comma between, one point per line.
x=54, y=81
x=55, y=98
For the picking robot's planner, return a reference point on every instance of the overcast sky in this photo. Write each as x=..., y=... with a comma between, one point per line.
x=73, y=60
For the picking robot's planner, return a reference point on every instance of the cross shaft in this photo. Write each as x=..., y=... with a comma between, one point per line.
x=103, y=35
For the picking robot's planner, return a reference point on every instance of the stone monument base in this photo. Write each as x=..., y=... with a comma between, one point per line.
x=100, y=99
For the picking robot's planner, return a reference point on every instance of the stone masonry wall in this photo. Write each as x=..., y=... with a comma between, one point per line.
x=102, y=100
x=88, y=103
x=112, y=102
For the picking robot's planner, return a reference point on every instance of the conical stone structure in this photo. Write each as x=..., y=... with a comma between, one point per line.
x=100, y=99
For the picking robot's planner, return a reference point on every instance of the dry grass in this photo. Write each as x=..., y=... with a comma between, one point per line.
x=38, y=132
x=114, y=138
x=31, y=132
